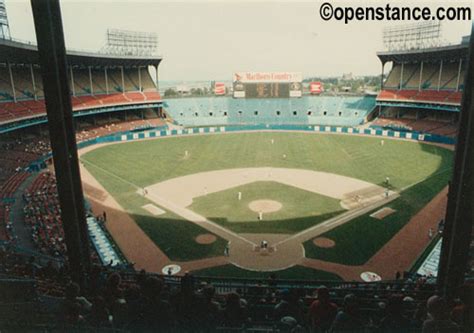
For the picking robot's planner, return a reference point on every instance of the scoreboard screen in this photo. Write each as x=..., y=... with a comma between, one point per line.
x=267, y=90
x=267, y=85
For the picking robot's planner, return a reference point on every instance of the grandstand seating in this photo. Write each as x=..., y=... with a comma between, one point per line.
x=5, y=223
x=42, y=214
x=420, y=125
x=9, y=187
x=323, y=110
x=23, y=109
x=29, y=105
x=432, y=88
x=424, y=96
x=430, y=76
x=148, y=302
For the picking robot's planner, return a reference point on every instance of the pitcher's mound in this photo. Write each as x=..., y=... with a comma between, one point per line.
x=205, y=239
x=265, y=206
x=324, y=242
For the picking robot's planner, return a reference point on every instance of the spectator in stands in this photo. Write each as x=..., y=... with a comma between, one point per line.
x=208, y=310
x=100, y=315
x=419, y=316
x=394, y=321
x=185, y=302
x=322, y=311
x=154, y=312
x=74, y=307
x=290, y=305
x=113, y=295
x=234, y=313
x=289, y=325
x=438, y=317
x=348, y=319
x=113, y=291
x=462, y=308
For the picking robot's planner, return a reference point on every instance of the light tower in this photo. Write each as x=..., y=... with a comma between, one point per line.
x=4, y=28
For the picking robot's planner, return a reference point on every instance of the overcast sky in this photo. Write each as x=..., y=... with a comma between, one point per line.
x=211, y=40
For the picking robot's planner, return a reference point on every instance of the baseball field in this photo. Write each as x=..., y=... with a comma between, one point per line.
x=328, y=206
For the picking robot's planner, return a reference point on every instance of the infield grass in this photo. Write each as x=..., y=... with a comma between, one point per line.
x=300, y=209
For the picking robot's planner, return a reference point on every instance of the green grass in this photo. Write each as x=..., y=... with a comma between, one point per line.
x=361, y=238
x=151, y=161
x=122, y=167
x=170, y=232
x=301, y=209
x=292, y=273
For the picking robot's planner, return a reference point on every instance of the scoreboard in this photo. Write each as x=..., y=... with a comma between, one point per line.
x=267, y=85
x=267, y=90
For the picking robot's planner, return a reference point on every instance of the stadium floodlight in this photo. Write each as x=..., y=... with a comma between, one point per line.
x=4, y=27
x=135, y=43
x=412, y=36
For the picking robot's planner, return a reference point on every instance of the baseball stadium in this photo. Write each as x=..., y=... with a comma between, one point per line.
x=264, y=189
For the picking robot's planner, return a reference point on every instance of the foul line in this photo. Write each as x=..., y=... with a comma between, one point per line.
x=110, y=173
x=168, y=204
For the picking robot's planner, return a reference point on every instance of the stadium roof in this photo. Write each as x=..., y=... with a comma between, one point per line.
x=22, y=53
x=435, y=54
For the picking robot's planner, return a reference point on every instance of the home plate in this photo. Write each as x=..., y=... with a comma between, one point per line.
x=153, y=209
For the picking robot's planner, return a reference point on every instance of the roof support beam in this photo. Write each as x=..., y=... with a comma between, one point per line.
x=90, y=80
x=459, y=75
x=12, y=83
x=139, y=79
x=440, y=74
x=460, y=211
x=52, y=55
x=421, y=76
x=72, y=82
x=33, y=82
x=401, y=78
x=123, y=79
x=106, y=81
x=381, y=76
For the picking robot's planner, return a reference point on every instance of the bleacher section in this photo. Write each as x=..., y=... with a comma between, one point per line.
x=323, y=110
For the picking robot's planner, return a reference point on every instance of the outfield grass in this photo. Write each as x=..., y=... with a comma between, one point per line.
x=122, y=167
x=361, y=238
x=292, y=273
x=150, y=161
x=301, y=209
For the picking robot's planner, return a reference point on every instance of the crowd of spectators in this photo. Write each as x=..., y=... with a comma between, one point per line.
x=142, y=302
x=17, y=154
x=115, y=127
x=42, y=215
x=6, y=226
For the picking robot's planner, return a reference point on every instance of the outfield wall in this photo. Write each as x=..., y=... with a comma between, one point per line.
x=157, y=133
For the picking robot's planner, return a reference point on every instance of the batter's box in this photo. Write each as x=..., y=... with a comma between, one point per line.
x=263, y=251
x=383, y=213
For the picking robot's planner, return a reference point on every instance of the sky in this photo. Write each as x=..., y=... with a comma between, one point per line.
x=211, y=40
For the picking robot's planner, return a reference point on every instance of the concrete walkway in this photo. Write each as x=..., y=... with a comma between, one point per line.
x=21, y=229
